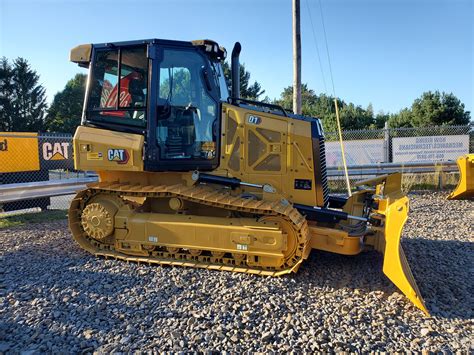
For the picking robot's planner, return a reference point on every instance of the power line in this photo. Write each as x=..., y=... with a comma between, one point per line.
x=341, y=142
x=327, y=48
x=317, y=48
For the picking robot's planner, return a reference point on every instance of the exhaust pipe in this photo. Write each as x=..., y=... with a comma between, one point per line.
x=235, y=72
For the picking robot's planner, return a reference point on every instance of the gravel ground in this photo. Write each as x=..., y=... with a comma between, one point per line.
x=55, y=297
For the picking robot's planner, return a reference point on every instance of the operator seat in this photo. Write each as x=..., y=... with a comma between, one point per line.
x=135, y=89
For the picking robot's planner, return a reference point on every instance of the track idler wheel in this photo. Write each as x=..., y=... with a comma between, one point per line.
x=97, y=218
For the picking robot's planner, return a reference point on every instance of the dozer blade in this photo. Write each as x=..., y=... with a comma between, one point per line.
x=465, y=188
x=393, y=206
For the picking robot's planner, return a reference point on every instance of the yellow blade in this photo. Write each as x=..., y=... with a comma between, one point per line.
x=465, y=188
x=395, y=264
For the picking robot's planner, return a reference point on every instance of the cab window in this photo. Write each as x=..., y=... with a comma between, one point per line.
x=187, y=113
x=117, y=100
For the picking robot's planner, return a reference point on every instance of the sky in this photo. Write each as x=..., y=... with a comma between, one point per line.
x=383, y=52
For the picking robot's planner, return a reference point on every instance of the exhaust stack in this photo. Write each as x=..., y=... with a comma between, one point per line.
x=235, y=71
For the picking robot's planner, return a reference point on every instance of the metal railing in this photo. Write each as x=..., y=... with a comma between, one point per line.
x=39, y=189
x=387, y=168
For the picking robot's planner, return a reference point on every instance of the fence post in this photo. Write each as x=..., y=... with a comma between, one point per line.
x=386, y=143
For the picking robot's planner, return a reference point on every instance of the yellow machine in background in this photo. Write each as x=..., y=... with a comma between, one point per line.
x=19, y=152
x=465, y=187
x=190, y=176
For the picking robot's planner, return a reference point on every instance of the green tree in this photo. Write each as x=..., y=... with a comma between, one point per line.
x=247, y=90
x=404, y=118
x=23, y=99
x=311, y=105
x=65, y=112
x=432, y=109
x=355, y=117
x=29, y=98
x=6, y=95
x=309, y=100
x=322, y=106
x=380, y=119
x=436, y=109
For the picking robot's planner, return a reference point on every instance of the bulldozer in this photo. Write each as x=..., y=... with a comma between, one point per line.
x=192, y=175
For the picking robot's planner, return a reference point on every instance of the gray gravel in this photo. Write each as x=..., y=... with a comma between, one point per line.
x=54, y=297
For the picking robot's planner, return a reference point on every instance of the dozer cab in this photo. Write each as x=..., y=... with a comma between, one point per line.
x=190, y=175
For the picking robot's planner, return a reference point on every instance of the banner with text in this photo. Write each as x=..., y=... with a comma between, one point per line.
x=429, y=148
x=358, y=152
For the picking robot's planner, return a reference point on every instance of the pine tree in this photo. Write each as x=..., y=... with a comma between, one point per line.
x=247, y=90
x=6, y=95
x=29, y=98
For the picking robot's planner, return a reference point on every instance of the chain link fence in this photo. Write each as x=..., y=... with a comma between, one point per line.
x=399, y=146
x=31, y=157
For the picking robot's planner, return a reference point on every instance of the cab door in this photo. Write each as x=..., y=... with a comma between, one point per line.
x=183, y=132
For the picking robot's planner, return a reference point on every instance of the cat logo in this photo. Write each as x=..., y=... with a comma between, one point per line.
x=121, y=156
x=4, y=146
x=55, y=151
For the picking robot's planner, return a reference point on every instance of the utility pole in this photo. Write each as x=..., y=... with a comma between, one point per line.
x=296, y=58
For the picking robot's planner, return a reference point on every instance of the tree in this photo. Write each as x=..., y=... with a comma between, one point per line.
x=312, y=105
x=432, y=109
x=6, y=95
x=309, y=100
x=22, y=98
x=404, y=118
x=65, y=112
x=29, y=98
x=380, y=119
x=322, y=106
x=355, y=117
x=247, y=90
x=436, y=109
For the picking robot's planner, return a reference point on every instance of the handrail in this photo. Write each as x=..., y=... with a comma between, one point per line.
x=258, y=103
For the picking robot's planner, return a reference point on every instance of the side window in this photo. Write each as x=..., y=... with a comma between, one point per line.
x=187, y=113
x=105, y=72
x=119, y=101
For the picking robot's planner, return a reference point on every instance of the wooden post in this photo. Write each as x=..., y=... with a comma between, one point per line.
x=296, y=58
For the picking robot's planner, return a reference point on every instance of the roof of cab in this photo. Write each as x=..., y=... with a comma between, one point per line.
x=82, y=54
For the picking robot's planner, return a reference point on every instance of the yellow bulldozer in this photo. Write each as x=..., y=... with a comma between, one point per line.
x=190, y=175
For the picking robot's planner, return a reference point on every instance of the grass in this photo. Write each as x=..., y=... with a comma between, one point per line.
x=27, y=218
